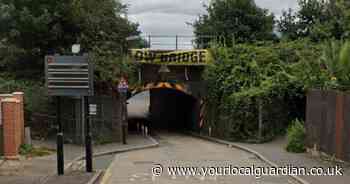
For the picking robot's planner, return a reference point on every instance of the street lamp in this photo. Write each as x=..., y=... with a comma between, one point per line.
x=163, y=71
x=75, y=48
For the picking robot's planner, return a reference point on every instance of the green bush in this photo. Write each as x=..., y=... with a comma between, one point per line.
x=273, y=77
x=36, y=99
x=296, y=137
x=25, y=149
x=31, y=151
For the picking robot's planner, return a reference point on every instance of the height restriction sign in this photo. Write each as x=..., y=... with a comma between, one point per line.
x=123, y=85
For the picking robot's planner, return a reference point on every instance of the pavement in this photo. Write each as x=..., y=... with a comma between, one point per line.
x=174, y=149
x=42, y=169
x=186, y=151
x=75, y=177
x=275, y=152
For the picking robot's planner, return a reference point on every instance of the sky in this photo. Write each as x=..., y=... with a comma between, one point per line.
x=169, y=17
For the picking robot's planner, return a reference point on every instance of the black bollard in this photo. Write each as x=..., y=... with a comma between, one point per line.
x=60, y=155
x=88, y=137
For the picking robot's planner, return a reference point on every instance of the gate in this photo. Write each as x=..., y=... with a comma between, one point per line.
x=106, y=124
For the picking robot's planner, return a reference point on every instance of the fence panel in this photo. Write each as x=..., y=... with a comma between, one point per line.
x=346, y=129
x=106, y=124
x=315, y=113
x=328, y=122
x=328, y=128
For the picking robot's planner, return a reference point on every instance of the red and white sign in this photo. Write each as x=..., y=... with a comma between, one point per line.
x=123, y=85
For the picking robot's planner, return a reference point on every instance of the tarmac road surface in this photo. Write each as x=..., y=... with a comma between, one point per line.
x=151, y=166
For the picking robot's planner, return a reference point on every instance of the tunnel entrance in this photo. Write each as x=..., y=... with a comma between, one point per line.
x=173, y=110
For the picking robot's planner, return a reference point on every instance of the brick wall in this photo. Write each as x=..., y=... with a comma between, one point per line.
x=12, y=122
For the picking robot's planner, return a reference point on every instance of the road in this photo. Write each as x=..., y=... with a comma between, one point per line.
x=180, y=150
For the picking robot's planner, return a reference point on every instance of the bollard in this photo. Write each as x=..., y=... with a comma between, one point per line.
x=28, y=138
x=146, y=131
x=142, y=130
x=210, y=131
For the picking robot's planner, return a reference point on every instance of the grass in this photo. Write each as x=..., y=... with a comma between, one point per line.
x=31, y=151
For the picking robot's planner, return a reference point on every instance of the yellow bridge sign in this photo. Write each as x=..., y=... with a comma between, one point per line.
x=181, y=57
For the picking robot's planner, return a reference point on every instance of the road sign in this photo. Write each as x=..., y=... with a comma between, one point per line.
x=93, y=109
x=69, y=76
x=123, y=85
x=195, y=57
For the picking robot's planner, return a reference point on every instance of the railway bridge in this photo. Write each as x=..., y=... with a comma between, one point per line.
x=173, y=79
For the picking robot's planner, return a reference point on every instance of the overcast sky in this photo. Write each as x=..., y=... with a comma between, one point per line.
x=169, y=17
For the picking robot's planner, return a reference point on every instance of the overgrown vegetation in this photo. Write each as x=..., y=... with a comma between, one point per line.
x=35, y=95
x=296, y=137
x=31, y=29
x=270, y=76
x=258, y=74
x=269, y=80
x=31, y=151
x=264, y=81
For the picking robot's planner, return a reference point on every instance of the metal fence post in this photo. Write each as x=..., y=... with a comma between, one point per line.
x=124, y=117
x=260, y=121
x=149, y=41
x=177, y=42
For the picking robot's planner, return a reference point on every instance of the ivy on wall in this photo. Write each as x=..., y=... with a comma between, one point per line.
x=265, y=79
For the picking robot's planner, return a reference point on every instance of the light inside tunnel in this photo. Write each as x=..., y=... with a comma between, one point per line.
x=138, y=106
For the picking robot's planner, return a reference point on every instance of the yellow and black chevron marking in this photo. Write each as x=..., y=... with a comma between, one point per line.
x=159, y=85
x=202, y=112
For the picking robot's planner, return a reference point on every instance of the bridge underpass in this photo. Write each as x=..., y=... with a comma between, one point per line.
x=174, y=100
x=164, y=109
x=173, y=79
x=173, y=110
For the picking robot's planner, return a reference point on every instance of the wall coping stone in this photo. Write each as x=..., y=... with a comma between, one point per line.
x=18, y=93
x=6, y=95
x=10, y=100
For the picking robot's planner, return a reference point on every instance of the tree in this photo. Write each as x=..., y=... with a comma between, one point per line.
x=235, y=20
x=317, y=19
x=31, y=29
x=288, y=25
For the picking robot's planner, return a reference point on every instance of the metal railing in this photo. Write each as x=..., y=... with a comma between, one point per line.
x=178, y=42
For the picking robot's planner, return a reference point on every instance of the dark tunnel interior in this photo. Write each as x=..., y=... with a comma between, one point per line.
x=173, y=110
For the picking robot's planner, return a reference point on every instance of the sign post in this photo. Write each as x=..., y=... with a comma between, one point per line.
x=60, y=155
x=88, y=137
x=70, y=76
x=123, y=89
